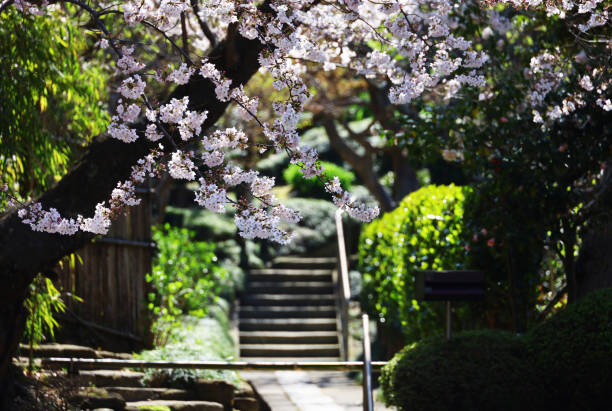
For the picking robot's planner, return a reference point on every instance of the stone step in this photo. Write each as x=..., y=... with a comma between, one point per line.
x=287, y=337
x=288, y=324
x=87, y=398
x=323, y=311
x=132, y=394
x=174, y=405
x=110, y=378
x=288, y=299
x=290, y=287
x=289, y=350
x=304, y=262
x=290, y=359
x=287, y=274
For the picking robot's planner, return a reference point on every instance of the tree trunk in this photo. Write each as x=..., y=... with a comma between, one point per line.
x=405, y=181
x=23, y=252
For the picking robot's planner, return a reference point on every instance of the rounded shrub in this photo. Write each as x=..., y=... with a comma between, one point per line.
x=423, y=233
x=572, y=353
x=480, y=370
x=564, y=363
x=313, y=187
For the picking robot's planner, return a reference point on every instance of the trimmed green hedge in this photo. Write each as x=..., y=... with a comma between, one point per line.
x=573, y=353
x=476, y=371
x=313, y=187
x=565, y=363
x=423, y=233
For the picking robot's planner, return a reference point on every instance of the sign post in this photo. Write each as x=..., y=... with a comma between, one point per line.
x=457, y=285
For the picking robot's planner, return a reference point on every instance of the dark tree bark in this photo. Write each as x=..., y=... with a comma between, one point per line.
x=24, y=253
x=405, y=181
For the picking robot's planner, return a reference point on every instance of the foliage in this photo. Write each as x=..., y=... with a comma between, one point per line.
x=185, y=279
x=207, y=339
x=573, y=352
x=313, y=187
x=531, y=180
x=50, y=99
x=481, y=370
x=43, y=301
x=423, y=233
x=564, y=363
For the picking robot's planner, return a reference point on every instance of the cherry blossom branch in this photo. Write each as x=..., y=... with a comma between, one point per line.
x=96, y=17
x=176, y=46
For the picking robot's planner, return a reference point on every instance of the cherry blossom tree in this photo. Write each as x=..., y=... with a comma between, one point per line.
x=414, y=44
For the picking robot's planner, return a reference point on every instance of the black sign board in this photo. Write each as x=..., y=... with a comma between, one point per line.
x=458, y=285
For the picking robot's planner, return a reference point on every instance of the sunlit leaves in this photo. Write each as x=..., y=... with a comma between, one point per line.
x=51, y=100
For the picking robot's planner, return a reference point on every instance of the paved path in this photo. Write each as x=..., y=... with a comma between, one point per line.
x=309, y=391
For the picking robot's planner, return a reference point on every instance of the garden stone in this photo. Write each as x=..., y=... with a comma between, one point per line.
x=143, y=394
x=218, y=391
x=92, y=397
x=246, y=404
x=175, y=405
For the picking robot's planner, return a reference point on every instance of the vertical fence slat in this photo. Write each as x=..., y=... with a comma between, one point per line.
x=110, y=279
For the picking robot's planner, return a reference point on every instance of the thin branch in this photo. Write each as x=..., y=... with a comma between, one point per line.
x=96, y=16
x=361, y=137
x=248, y=111
x=205, y=29
x=184, y=33
x=176, y=46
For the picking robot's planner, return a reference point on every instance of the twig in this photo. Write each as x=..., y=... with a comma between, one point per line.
x=205, y=29
x=163, y=33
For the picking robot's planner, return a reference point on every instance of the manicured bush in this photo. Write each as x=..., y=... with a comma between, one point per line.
x=423, y=233
x=562, y=364
x=572, y=353
x=313, y=187
x=482, y=370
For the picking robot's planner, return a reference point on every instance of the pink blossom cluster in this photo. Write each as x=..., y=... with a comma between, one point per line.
x=418, y=48
x=547, y=74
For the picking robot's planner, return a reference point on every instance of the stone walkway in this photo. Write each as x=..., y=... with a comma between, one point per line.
x=309, y=391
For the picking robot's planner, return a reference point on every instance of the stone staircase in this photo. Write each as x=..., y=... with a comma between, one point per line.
x=288, y=312
x=124, y=389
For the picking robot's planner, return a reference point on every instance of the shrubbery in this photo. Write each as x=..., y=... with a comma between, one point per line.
x=313, y=187
x=204, y=339
x=476, y=371
x=572, y=352
x=565, y=363
x=423, y=233
x=185, y=280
